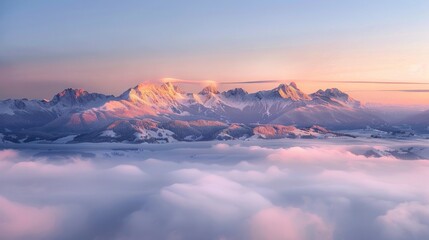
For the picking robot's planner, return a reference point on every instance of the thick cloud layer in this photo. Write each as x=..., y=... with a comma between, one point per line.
x=257, y=190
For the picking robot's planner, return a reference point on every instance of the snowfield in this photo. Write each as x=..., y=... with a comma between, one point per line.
x=298, y=189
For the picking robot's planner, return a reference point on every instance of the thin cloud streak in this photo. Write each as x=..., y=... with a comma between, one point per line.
x=186, y=81
x=396, y=90
x=408, y=90
x=256, y=82
x=378, y=82
x=326, y=81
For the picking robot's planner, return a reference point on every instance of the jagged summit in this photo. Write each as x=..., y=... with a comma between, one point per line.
x=72, y=97
x=69, y=93
x=336, y=94
x=211, y=89
x=332, y=92
x=173, y=89
x=291, y=91
x=152, y=93
x=236, y=92
x=293, y=84
x=284, y=91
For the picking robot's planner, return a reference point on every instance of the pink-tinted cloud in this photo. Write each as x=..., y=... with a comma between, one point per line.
x=20, y=221
x=288, y=224
x=406, y=220
x=324, y=189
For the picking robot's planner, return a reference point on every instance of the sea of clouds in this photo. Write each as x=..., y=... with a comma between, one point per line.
x=264, y=190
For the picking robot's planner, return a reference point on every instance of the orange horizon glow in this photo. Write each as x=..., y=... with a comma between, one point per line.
x=311, y=70
x=320, y=45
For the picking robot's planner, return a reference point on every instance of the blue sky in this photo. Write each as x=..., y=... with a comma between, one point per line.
x=110, y=45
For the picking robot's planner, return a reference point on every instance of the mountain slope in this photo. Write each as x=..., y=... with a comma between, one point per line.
x=178, y=115
x=418, y=121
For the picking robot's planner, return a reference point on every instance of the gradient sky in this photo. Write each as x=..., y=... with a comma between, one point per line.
x=109, y=46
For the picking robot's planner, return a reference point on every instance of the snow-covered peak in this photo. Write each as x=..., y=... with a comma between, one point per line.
x=236, y=92
x=335, y=94
x=293, y=84
x=332, y=92
x=153, y=94
x=68, y=94
x=291, y=91
x=171, y=88
x=74, y=97
x=284, y=91
x=211, y=89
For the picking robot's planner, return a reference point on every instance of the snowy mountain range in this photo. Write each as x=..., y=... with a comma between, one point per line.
x=151, y=112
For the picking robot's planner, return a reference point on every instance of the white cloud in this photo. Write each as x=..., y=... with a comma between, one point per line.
x=288, y=224
x=19, y=221
x=214, y=196
x=409, y=220
x=252, y=190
